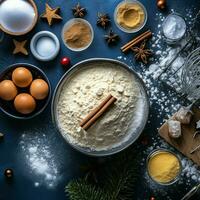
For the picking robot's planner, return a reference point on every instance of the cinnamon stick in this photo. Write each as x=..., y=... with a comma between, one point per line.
x=129, y=43
x=136, y=40
x=93, y=112
x=99, y=113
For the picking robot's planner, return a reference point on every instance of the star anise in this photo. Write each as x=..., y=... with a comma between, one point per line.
x=103, y=20
x=111, y=38
x=141, y=53
x=79, y=11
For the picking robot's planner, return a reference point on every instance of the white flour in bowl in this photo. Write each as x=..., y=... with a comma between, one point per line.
x=85, y=90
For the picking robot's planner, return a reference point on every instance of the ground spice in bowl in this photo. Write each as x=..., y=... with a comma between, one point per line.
x=163, y=167
x=77, y=34
x=130, y=16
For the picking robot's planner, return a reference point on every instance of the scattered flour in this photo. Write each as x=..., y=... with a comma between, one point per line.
x=40, y=159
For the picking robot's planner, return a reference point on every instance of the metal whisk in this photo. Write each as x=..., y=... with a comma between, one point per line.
x=190, y=77
x=185, y=79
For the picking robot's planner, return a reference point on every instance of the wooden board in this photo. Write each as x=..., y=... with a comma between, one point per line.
x=186, y=143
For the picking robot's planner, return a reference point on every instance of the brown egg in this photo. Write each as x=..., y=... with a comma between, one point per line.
x=39, y=89
x=22, y=77
x=24, y=103
x=8, y=90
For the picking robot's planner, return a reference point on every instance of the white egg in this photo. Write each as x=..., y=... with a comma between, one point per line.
x=16, y=15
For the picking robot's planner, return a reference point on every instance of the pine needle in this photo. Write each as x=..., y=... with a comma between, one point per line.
x=121, y=176
x=81, y=190
x=118, y=178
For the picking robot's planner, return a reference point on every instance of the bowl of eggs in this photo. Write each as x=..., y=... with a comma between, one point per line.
x=25, y=91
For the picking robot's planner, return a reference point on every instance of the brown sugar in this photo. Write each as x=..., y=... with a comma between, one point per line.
x=78, y=35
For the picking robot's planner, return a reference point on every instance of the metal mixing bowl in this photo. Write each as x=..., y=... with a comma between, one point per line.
x=141, y=124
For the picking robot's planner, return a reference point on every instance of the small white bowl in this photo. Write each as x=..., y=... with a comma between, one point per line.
x=67, y=24
x=34, y=41
x=130, y=30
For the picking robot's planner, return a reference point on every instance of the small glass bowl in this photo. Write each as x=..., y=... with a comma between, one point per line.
x=70, y=22
x=157, y=151
x=130, y=30
x=171, y=40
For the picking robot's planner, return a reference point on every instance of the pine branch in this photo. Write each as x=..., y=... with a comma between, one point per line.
x=117, y=176
x=121, y=176
x=81, y=190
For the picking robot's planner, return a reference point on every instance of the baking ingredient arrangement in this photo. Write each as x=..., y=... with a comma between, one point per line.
x=101, y=106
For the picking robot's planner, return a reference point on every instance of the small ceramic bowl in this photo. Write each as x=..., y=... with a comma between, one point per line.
x=44, y=35
x=134, y=30
x=7, y=106
x=157, y=151
x=69, y=23
x=33, y=4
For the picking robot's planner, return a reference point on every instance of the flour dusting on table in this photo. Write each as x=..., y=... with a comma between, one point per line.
x=40, y=159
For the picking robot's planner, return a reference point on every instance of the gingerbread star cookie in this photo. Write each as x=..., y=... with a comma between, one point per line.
x=20, y=47
x=51, y=14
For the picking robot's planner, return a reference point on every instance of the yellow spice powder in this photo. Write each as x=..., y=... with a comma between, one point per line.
x=163, y=167
x=130, y=15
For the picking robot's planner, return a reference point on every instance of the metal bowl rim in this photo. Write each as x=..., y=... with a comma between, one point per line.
x=104, y=152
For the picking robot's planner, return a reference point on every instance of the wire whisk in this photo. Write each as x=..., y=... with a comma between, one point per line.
x=190, y=78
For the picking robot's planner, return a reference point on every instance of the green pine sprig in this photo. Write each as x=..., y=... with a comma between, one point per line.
x=117, y=181
x=82, y=190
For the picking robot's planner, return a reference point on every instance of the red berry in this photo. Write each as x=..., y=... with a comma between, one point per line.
x=65, y=61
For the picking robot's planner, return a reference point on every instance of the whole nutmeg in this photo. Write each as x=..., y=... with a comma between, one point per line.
x=161, y=4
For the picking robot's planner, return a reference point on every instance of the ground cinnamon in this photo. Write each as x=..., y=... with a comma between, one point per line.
x=78, y=35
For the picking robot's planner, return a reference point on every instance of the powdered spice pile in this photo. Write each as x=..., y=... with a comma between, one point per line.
x=78, y=35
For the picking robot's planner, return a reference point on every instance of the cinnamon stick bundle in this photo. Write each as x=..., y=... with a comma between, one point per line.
x=136, y=40
x=94, y=115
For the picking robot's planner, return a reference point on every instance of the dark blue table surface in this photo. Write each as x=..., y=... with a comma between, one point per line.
x=67, y=160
